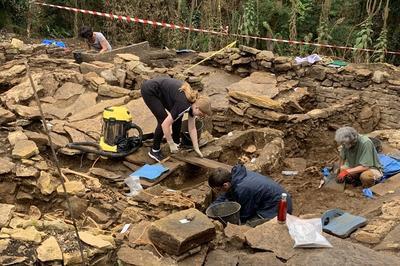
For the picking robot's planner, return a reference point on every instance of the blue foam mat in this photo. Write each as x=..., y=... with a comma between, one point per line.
x=150, y=171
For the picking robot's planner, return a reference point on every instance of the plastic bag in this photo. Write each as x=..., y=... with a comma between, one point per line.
x=306, y=233
x=133, y=182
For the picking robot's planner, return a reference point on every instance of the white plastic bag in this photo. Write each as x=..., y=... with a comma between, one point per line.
x=133, y=182
x=306, y=233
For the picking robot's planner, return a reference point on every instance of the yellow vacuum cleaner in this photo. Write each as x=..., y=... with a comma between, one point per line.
x=120, y=137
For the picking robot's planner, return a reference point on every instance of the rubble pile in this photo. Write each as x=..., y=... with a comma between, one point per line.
x=17, y=49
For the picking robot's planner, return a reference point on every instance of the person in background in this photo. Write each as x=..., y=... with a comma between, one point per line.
x=258, y=195
x=358, y=158
x=95, y=40
x=177, y=97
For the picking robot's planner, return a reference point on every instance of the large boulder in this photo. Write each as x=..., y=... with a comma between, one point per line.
x=181, y=231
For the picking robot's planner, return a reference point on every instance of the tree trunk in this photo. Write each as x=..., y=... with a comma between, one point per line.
x=190, y=23
x=76, y=20
x=29, y=20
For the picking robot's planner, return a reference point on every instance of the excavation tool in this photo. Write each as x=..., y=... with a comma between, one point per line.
x=330, y=181
x=120, y=136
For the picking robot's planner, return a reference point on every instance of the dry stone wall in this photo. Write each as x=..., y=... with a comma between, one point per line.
x=375, y=86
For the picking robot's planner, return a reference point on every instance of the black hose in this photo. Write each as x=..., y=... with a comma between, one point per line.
x=134, y=142
x=85, y=147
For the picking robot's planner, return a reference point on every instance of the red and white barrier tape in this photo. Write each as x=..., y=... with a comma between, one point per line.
x=154, y=23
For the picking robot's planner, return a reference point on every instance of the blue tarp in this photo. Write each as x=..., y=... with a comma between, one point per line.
x=54, y=42
x=390, y=165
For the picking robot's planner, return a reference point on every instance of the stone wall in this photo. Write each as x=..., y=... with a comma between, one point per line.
x=376, y=85
x=16, y=49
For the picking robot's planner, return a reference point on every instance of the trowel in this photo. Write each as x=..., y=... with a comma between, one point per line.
x=330, y=182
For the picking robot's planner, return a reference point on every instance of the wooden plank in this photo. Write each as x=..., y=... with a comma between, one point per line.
x=391, y=184
x=202, y=162
x=136, y=48
x=172, y=166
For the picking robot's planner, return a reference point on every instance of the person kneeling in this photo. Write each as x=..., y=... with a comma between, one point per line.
x=258, y=195
x=358, y=158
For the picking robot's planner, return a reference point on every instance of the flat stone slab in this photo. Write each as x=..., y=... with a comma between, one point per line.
x=272, y=236
x=6, y=166
x=49, y=250
x=391, y=184
x=343, y=253
x=391, y=242
x=6, y=211
x=67, y=90
x=257, y=84
x=203, y=162
x=141, y=115
x=25, y=149
x=136, y=48
x=221, y=257
x=175, y=236
x=138, y=257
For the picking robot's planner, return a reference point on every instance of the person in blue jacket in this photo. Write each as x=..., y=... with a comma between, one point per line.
x=258, y=195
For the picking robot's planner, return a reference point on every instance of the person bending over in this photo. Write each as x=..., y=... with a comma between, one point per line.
x=177, y=97
x=95, y=40
x=358, y=158
x=258, y=195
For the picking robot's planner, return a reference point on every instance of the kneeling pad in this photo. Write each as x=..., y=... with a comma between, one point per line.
x=341, y=224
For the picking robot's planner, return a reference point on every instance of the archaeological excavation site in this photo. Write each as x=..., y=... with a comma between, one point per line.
x=99, y=199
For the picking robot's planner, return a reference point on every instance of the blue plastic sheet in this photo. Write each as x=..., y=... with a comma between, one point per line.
x=390, y=165
x=54, y=42
x=150, y=171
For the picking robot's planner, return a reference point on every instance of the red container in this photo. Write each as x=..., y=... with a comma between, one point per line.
x=282, y=210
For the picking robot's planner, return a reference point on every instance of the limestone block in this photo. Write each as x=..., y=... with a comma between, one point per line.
x=49, y=250
x=175, y=235
x=6, y=166
x=25, y=149
x=67, y=90
x=6, y=116
x=6, y=211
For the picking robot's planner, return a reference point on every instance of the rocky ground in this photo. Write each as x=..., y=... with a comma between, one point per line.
x=288, y=126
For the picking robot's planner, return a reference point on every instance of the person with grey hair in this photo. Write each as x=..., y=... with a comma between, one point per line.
x=359, y=158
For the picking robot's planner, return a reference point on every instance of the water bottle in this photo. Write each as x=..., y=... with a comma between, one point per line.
x=282, y=210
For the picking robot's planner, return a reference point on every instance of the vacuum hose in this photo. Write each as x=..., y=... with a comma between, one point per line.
x=125, y=146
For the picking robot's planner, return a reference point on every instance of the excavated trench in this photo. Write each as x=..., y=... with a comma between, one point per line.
x=300, y=139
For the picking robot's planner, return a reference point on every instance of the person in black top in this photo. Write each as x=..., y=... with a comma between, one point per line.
x=176, y=97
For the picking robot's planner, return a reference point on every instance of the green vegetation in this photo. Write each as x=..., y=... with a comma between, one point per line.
x=369, y=24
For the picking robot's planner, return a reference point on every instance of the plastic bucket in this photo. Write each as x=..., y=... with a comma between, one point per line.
x=225, y=211
x=78, y=56
x=185, y=137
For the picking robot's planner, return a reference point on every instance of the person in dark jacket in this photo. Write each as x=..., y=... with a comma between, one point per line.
x=258, y=195
x=169, y=99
